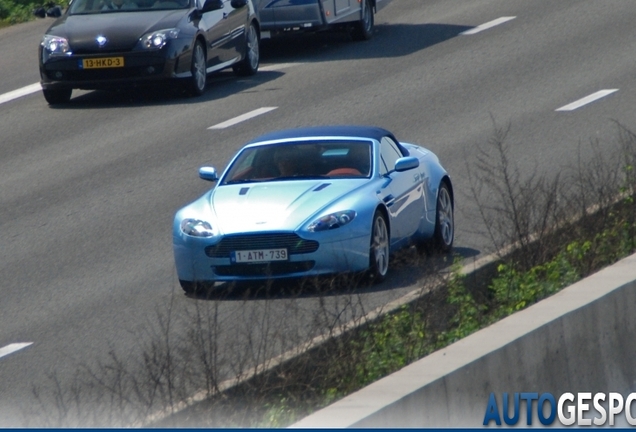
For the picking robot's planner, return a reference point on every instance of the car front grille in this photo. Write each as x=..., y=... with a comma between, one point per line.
x=267, y=269
x=292, y=242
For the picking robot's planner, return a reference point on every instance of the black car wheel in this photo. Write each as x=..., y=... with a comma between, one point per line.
x=57, y=96
x=363, y=29
x=198, y=68
x=189, y=287
x=379, y=251
x=249, y=65
x=444, y=220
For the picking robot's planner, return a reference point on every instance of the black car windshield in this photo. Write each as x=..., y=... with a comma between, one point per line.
x=302, y=161
x=85, y=7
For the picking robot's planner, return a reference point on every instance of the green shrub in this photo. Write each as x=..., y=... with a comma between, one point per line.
x=19, y=11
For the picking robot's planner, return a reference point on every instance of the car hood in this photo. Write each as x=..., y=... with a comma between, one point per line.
x=274, y=206
x=121, y=29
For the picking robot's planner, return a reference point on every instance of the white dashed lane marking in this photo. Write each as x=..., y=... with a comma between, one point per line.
x=242, y=118
x=20, y=92
x=11, y=348
x=487, y=25
x=276, y=67
x=586, y=100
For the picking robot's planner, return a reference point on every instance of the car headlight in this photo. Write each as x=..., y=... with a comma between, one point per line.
x=55, y=44
x=333, y=220
x=159, y=38
x=196, y=228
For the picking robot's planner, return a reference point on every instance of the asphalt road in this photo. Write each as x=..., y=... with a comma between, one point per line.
x=88, y=191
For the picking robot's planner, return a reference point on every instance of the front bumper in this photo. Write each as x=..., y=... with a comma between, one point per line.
x=140, y=67
x=335, y=254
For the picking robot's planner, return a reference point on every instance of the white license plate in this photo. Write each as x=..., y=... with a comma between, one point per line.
x=260, y=255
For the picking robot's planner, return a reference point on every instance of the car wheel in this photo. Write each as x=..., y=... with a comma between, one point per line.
x=188, y=286
x=363, y=29
x=249, y=65
x=57, y=96
x=379, y=251
x=198, y=69
x=444, y=220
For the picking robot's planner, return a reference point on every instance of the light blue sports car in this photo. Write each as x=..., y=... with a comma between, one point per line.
x=314, y=201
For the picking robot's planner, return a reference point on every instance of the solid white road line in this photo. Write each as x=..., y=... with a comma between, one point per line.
x=586, y=100
x=11, y=348
x=20, y=92
x=487, y=25
x=242, y=118
x=276, y=67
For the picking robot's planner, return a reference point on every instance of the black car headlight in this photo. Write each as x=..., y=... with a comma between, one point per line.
x=55, y=44
x=196, y=228
x=331, y=221
x=159, y=38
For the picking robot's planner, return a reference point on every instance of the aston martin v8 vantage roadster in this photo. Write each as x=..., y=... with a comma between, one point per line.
x=314, y=201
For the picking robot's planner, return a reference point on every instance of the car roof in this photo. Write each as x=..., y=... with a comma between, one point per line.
x=371, y=132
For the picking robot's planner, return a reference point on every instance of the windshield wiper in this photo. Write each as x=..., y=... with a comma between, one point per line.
x=302, y=177
x=239, y=181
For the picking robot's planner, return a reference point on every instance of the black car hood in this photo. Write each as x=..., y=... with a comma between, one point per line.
x=121, y=29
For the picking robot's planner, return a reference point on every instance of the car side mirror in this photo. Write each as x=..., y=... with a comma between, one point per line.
x=208, y=173
x=212, y=5
x=406, y=163
x=237, y=4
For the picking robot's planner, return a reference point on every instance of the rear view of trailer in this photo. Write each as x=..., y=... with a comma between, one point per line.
x=279, y=17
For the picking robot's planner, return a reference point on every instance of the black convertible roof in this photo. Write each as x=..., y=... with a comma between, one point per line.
x=372, y=132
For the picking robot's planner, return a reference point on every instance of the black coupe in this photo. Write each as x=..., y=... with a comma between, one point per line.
x=102, y=44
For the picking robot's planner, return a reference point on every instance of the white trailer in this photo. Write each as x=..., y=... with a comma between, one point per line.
x=279, y=17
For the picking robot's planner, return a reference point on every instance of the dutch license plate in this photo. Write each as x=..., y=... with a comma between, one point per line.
x=257, y=256
x=102, y=63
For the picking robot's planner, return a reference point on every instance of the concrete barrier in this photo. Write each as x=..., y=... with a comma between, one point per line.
x=582, y=339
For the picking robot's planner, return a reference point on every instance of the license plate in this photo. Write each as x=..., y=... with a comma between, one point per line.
x=257, y=256
x=102, y=63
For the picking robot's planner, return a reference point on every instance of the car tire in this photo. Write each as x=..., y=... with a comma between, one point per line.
x=444, y=234
x=188, y=286
x=197, y=82
x=57, y=96
x=249, y=65
x=363, y=29
x=379, y=248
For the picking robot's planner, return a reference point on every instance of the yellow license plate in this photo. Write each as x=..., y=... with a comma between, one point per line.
x=101, y=63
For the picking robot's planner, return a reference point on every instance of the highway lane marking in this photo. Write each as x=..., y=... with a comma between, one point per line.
x=276, y=67
x=11, y=348
x=24, y=91
x=586, y=100
x=20, y=92
x=488, y=25
x=242, y=118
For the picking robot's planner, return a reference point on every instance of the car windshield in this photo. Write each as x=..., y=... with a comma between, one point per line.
x=86, y=7
x=300, y=161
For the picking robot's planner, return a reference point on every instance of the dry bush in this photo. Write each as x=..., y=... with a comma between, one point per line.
x=517, y=210
x=536, y=214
